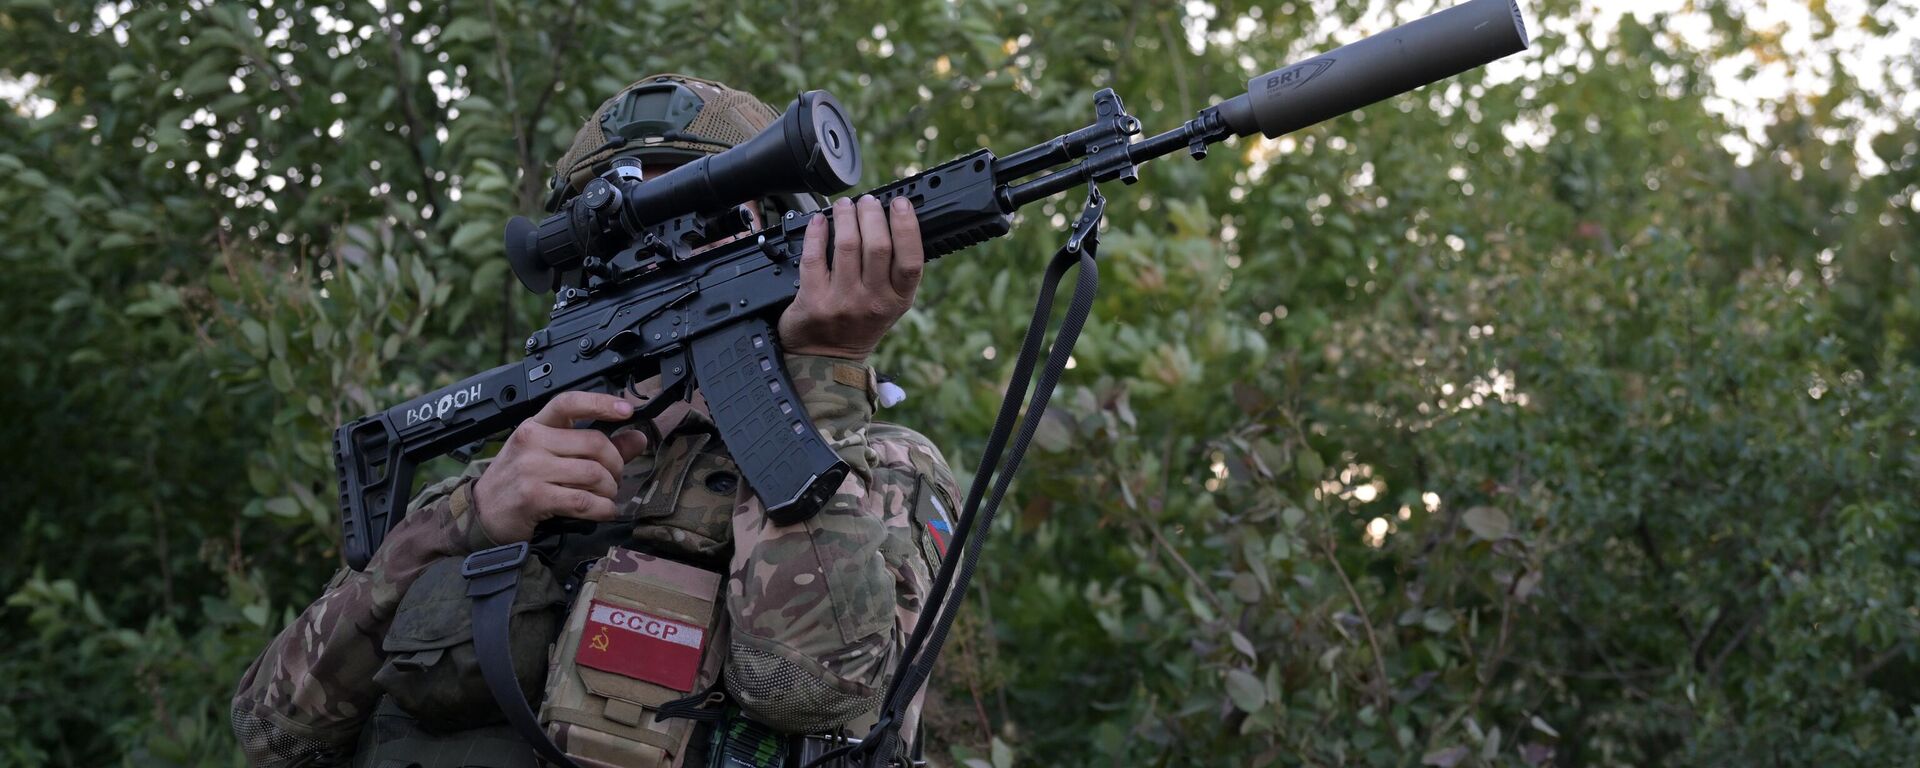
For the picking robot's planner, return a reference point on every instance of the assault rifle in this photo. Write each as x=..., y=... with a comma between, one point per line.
x=662, y=278
x=637, y=296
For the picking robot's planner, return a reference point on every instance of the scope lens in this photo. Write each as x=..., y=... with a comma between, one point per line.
x=833, y=134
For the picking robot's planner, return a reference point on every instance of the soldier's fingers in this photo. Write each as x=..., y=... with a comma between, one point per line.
x=876, y=246
x=813, y=261
x=909, y=254
x=584, y=474
x=561, y=501
x=846, y=247
x=587, y=444
x=568, y=407
x=631, y=443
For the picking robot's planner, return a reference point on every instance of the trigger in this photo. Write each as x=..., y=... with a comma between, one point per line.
x=647, y=410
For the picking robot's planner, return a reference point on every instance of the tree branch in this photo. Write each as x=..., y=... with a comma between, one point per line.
x=1713, y=670
x=530, y=191
x=1381, y=685
x=1881, y=659
x=411, y=114
x=1166, y=487
x=1179, y=65
x=1192, y=575
x=505, y=73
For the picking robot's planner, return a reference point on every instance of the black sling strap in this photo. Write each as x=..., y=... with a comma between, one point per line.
x=956, y=569
x=493, y=577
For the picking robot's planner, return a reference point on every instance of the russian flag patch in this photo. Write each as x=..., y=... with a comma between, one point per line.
x=938, y=528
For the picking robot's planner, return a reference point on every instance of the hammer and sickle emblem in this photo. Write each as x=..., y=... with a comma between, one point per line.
x=600, y=641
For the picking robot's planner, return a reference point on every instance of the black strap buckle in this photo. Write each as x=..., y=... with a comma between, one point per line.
x=1086, y=228
x=487, y=562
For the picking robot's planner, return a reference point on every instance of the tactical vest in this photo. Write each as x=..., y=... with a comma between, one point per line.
x=436, y=710
x=676, y=504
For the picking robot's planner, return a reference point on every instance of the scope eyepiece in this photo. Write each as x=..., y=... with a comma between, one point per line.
x=811, y=148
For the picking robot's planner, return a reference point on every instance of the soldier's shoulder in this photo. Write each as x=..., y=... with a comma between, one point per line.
x=901, y=445
x=898, y=433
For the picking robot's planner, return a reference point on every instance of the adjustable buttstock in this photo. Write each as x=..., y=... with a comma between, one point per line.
x=375, y=475
x=375, y=456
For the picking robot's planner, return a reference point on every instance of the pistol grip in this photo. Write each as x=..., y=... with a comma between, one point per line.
x=763, y=423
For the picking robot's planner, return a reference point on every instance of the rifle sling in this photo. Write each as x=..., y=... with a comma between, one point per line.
x=493, y=576
x=956, y=569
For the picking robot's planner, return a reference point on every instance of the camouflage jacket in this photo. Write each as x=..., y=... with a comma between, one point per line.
x=817, y=611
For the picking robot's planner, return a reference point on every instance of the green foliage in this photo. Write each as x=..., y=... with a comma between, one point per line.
x=1516, y=421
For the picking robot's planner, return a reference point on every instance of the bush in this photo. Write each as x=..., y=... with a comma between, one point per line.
x=1538, y=417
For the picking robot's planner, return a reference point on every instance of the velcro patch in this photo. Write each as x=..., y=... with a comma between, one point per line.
x=642, y=646
x=850, y=375
x=938, y=528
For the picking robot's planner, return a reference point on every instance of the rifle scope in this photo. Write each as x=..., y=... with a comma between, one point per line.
x=811, y=148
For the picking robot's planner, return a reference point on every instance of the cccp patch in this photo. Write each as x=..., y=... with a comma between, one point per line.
x=642, y=646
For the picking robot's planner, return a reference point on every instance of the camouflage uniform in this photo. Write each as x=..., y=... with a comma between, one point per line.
x=817, y=610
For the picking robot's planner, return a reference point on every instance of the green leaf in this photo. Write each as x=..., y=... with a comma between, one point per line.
x=256, y=336
x=1447, y=757
x=280, y=375
x=118, y=240
x=467, y=29
x=1309, y=464
x=1246, y=691
x=1151, y=604
x=1281, y=546
x=261, y=479
x=1246, y=588
x=475, y=236
x=1053, y=435
x=283, y=506
x=1002, y=754
x=1243, y=645
x=148, y=308
x=1198, y=605
x=1486, y=523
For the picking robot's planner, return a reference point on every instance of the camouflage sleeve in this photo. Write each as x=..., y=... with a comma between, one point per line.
x=819, y=609
x=304, y=699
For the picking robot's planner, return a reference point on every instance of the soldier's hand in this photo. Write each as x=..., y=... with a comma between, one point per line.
x=843, y=310
x=550, y=469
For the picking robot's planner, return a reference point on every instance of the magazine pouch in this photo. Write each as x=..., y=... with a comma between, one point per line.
x=640, y=635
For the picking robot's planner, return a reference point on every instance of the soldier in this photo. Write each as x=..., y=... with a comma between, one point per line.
x=815, y=612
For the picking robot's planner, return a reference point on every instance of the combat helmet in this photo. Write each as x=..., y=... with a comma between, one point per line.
x=667, y=118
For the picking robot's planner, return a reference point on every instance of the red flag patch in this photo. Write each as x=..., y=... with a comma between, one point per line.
x=642, y=646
